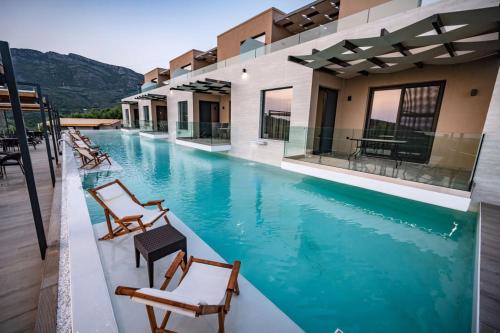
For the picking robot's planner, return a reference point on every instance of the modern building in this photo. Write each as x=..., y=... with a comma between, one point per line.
x=393, y=96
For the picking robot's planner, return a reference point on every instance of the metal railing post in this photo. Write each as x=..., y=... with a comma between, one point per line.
x=45, y=134
x=52, y=131
x=10, y=80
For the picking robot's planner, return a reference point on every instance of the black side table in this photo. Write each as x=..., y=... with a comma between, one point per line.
x=157, y=243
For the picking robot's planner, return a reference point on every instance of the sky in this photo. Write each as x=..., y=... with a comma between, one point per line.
x=138, y=34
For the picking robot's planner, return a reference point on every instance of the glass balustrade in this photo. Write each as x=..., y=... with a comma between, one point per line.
x=445, y=159
x=204, y=133
x=354, y=20
x=153, y=126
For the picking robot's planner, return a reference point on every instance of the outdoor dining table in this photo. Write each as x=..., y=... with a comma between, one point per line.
x=363, y=143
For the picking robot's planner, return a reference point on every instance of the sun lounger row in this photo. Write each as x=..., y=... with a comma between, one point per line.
x=90, y=155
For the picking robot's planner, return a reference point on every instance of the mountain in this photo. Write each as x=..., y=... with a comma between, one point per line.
x=73, y=82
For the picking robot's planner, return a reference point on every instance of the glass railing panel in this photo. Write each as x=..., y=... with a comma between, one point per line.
x=149, y=86
x=131, y=124
x=351, y=21
x=443, y=159
x=283, y=44
x=354, y=20
x=391, y=8
x=161, y=126
x=146, y=125
x=204, y=133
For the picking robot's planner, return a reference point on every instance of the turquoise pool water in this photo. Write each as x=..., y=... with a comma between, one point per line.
x=330, y=256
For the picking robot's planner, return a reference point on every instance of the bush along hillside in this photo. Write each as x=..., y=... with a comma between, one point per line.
x=114, y=112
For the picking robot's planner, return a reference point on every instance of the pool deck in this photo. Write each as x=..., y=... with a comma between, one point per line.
x=489, y=299
x=251, y=311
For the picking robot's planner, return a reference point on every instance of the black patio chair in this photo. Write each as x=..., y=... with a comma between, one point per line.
x=10, y=159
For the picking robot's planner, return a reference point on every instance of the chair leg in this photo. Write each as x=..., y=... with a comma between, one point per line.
x=221, y=321
x=165, y=320
x=152, y=318
x=236, y=288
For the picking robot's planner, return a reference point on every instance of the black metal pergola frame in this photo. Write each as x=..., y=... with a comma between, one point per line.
x=8, y=78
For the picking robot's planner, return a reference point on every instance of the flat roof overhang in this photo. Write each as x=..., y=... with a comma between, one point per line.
x=207, y=86
x=152, y=97
x=25, y=107
x=310, y=16
x=441, y=39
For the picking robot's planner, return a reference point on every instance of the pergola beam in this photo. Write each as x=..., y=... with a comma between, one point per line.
x=438, y=25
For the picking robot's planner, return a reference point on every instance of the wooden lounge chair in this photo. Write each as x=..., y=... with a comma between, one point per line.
x=121, y=205
x=90, y=159
x=206, y=287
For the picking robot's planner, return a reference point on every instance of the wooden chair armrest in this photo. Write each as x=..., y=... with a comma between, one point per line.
x=153, y=202
x=169, y=274
x=125, y=291
x=131, y=218
x=233, y=278
x=133, y=292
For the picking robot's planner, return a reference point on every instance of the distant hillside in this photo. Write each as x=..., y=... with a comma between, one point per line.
x=74, y=82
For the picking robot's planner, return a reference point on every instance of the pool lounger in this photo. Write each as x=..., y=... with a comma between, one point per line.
x=121, y=205
x=206, y=287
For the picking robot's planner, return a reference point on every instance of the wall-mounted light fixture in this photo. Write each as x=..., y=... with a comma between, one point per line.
x=244, y=73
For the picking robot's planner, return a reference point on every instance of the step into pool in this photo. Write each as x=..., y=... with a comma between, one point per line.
x=329, y=255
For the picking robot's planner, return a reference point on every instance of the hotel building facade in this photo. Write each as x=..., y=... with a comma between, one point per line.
x=399, y=97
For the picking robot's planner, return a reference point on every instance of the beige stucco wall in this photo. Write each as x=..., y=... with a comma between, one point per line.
x=460, y=114
x=187, y=59
x=349, y=7
x=155, y=76
x=223, y=106
x=228, y=43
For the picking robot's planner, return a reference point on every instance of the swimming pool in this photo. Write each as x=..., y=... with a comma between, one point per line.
x=329, y=255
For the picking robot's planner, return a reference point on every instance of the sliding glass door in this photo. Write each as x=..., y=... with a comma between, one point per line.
x=406, y=113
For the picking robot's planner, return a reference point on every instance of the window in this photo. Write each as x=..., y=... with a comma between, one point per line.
x=187, y=67
x=406, y=112
x=145, y=110
x=127, y=116
x=183, y=115
x=275, y=116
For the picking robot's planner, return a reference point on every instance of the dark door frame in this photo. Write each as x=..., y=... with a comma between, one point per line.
x=206, y=126
x=325, y=135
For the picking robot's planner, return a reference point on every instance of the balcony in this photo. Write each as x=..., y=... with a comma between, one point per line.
x=130, y=126
x=437, y=162
x=153, y=129
x=150, y=86
x=211, y=137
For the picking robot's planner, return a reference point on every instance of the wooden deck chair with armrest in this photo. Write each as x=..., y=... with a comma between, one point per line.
x=78, y=137
x=206, y=287
x=90, y=159
x=126, y=211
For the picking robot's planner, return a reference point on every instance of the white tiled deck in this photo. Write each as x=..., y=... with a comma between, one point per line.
x=251, y=311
